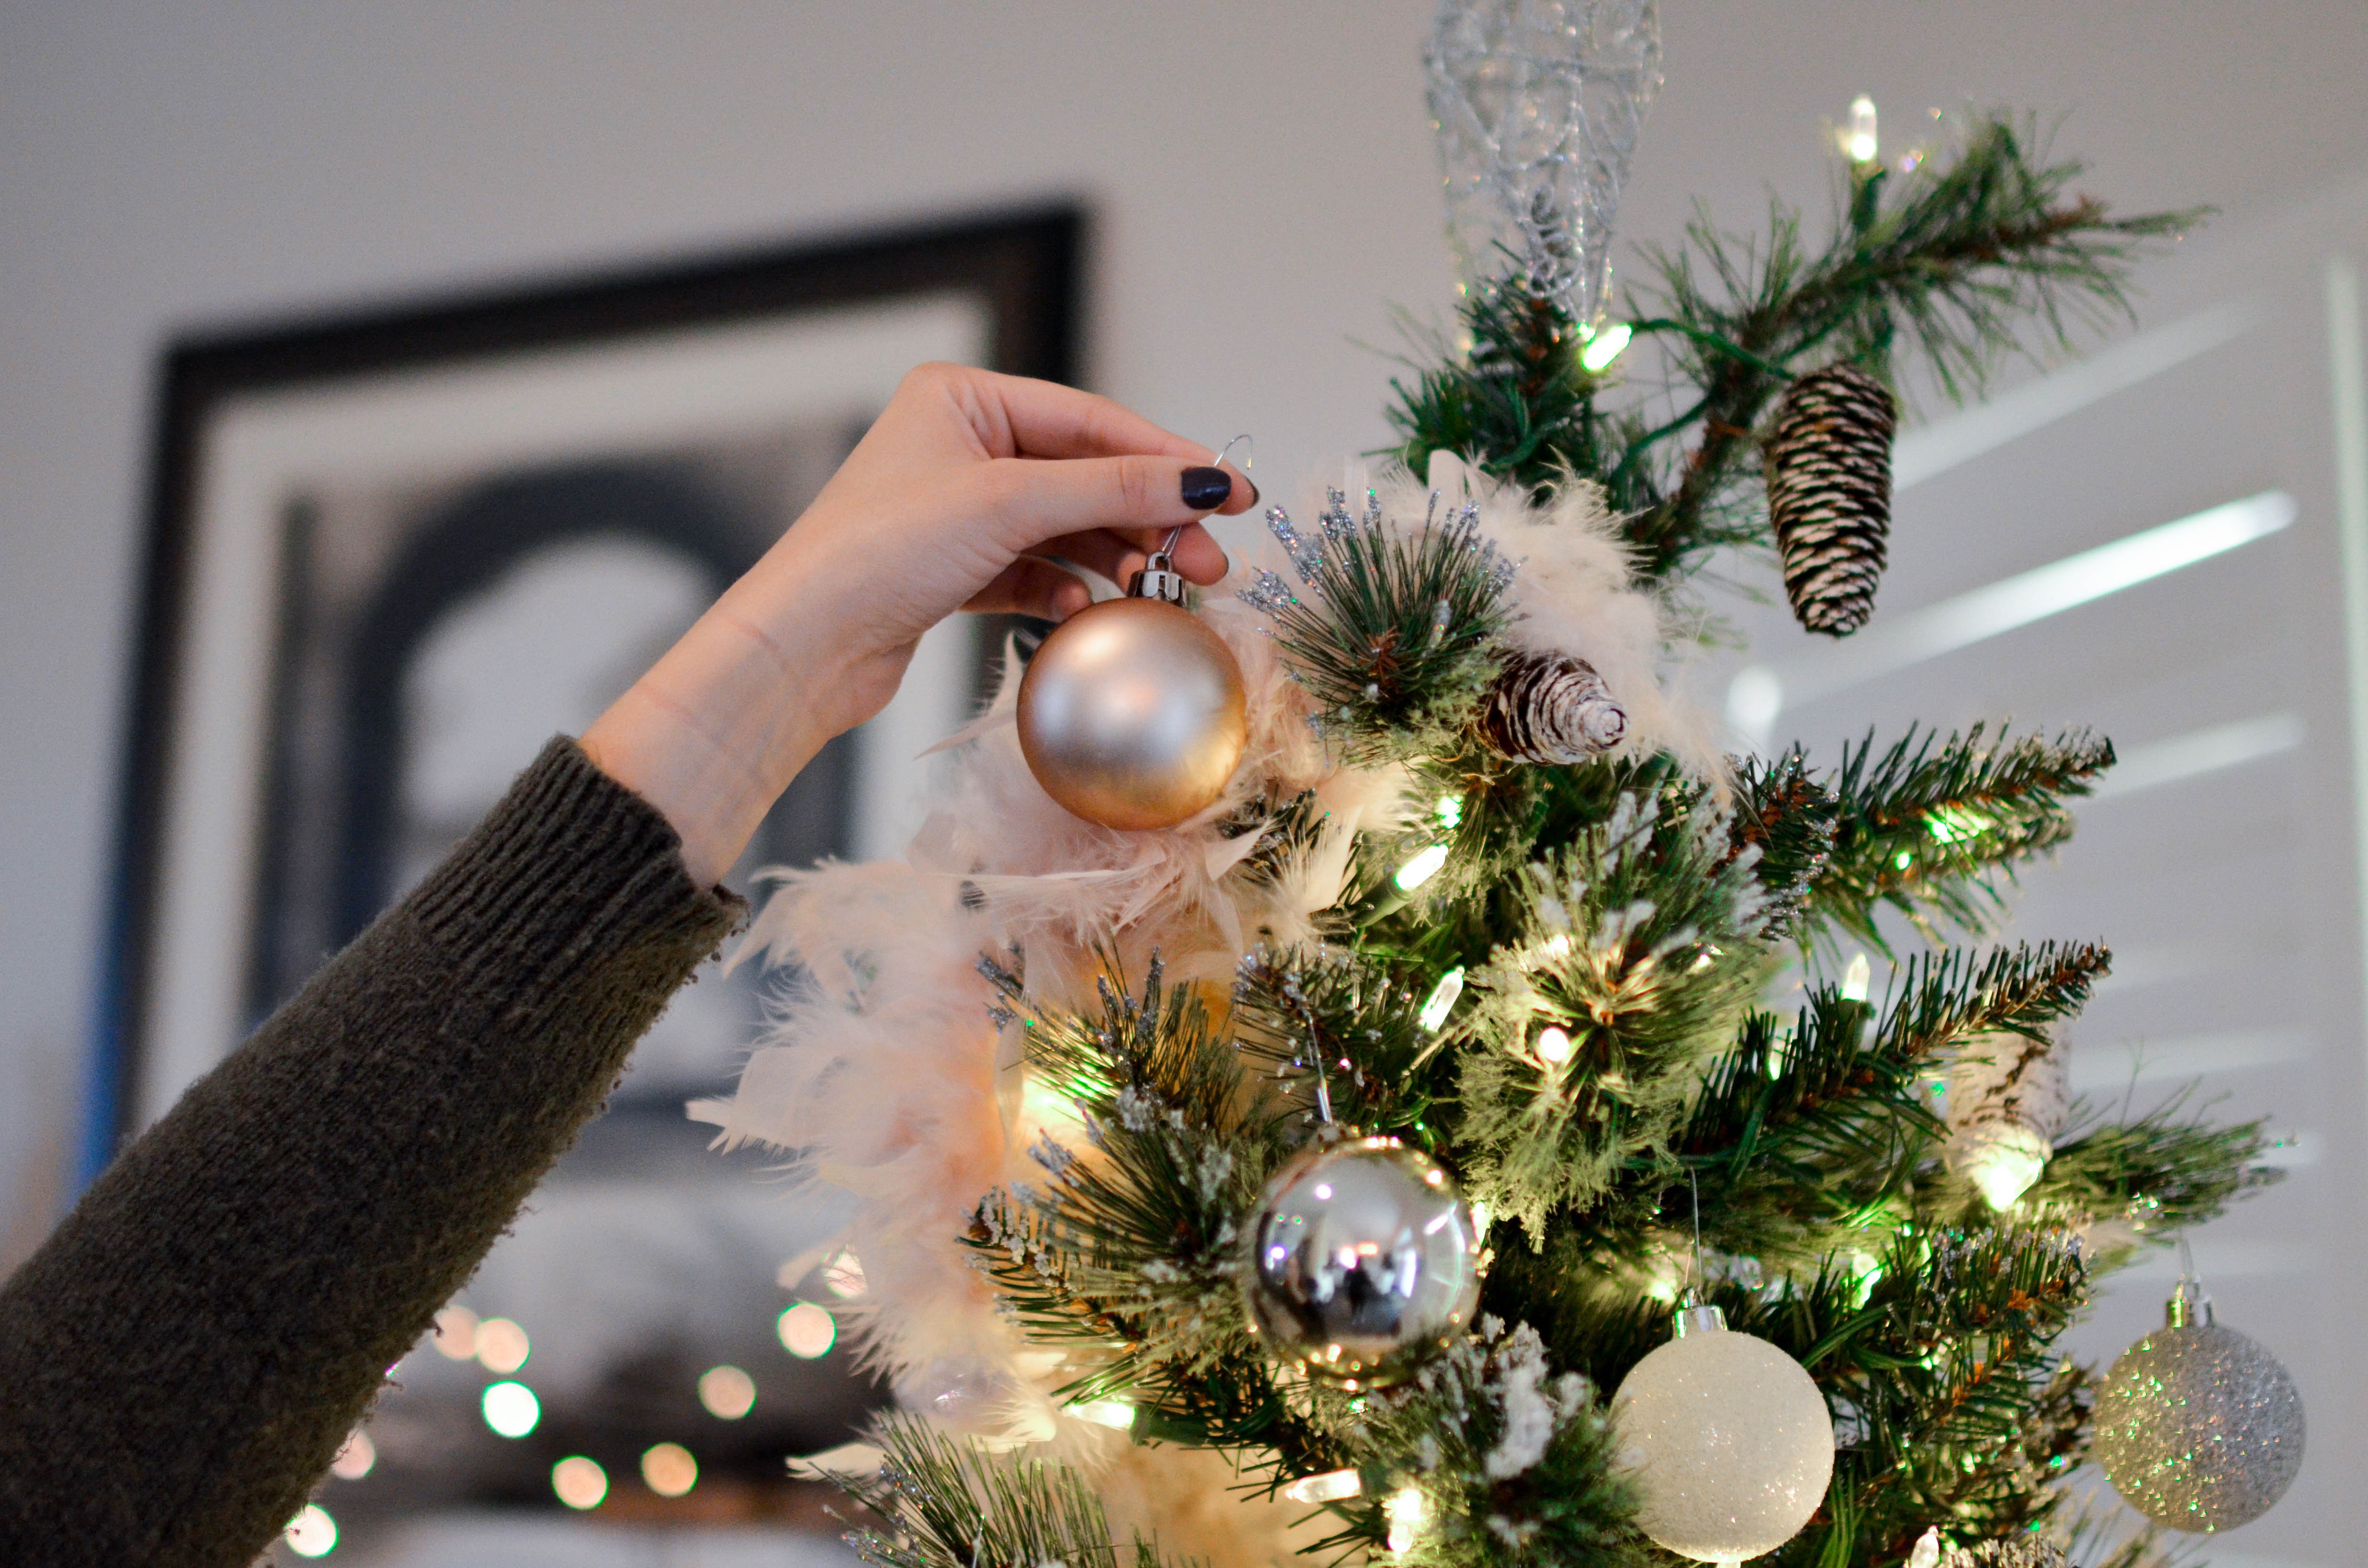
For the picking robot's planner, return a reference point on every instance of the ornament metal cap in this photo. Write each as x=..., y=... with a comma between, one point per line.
x=2188, y=1307
x=1693, y=1318
x=1159, y=579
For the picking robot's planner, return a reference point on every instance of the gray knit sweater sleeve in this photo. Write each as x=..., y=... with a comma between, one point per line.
x=181, y=1360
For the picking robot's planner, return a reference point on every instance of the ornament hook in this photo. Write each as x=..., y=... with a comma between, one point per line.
x=1159, y=579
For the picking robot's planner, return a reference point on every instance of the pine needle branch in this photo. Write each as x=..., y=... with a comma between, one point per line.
x=1930, y=826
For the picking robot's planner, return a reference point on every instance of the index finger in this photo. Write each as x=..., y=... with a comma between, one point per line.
x=1045, y=419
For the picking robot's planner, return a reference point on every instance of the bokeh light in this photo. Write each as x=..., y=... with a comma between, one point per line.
x=843, y=1275
x=807, y=1331
x=727, y=1392
x=354, y=1460
x=670, y=1471
x=456, y=1333
x=501, y=1345
x=511, y=1409
x=580, y=1483
x=312, y=1533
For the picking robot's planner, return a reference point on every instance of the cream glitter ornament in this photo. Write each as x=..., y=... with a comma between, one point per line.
x=1730, y=1441
x=1133, y=713
x=2197, y=1424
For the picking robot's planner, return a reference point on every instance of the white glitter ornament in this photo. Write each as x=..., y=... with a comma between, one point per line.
x=2008, y=1099
x=2197, y=1424
x=1537, y=105
x=1364, y=1262
x=1730, y=1441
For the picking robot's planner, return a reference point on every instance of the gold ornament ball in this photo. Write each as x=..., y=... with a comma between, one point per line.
x=1132, y=714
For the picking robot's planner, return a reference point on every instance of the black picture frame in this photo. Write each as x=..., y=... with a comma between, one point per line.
x=1024, y=264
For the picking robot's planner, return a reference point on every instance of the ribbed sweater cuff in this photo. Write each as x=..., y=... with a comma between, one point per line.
x=567, y=849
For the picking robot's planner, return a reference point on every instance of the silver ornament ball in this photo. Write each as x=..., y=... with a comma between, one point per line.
x=2197, y=1424
x=1132, y=714
x=1364, y=1263
x=1731, y=1443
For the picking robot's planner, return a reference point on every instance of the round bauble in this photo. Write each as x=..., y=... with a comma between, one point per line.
x=2196, y=1425
x=1364, y=1263
x=1730, y=1441
x=1132, y=714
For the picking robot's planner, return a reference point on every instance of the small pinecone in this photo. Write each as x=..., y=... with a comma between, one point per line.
x=1829, y=493
x=1550, y=708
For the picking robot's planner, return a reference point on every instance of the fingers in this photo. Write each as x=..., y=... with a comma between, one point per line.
x=1119, y=556
x=1032, y=586
x=1028, y=502
x=1046, y=419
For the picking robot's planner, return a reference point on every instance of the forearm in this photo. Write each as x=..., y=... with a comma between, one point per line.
x=180, y=1361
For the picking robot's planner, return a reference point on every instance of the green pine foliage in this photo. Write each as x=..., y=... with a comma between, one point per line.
x=1689, y=1126
x=950, y=1504
x=1958, y=261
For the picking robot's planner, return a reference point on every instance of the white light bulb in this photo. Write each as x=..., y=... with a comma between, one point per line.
x=1116, y=1414
x=1857, y=979
x=1441, y=1000
x=1553, y=1045
x=1330, y=1487
x=1408, y=1511
x=511, y=1409
x=1605, y=346
x=2003, y=1160
x=579, y=1482
x=312, y=1533
x=807, y=1331
x=1860, y=141
x=1421, y=868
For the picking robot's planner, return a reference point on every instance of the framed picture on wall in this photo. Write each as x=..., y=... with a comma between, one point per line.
x=389, y=555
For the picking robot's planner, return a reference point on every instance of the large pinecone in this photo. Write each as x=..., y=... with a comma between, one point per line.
x=1550, y=708
x=1829, y=493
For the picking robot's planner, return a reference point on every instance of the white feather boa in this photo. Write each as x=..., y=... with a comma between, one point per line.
x=883, y=1074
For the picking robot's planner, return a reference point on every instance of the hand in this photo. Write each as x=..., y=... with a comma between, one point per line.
x=956, y=498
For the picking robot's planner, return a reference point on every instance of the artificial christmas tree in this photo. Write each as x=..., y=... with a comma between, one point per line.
x=1172, y=1155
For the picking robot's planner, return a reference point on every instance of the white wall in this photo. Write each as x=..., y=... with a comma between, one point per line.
x=1261, y=172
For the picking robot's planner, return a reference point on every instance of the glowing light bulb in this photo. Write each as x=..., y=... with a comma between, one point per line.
x=579, y=1482
x=2004, y=1168
x=1408, y=1511
x=511, y=1409
x=727, y=1392
x=1451, y=810
x=670, y=1471
x=355, y=1459
x=1330, y=1487
x=1553, y=1045
x=807, y=1331
x=456, y=1333
x=1860, y=142
x=1441, y=1000
x=502, y=1345
x=843, y=1276
x=1421, y=868
x=1857, y=979
x=1606, y=346
x=1112, y=1413
x=312, y=1533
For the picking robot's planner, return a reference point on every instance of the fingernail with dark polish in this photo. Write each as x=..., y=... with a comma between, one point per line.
x=1253, y=485
x=1206, y=489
